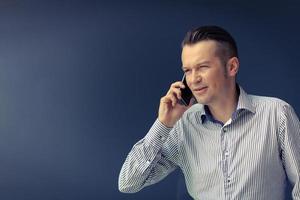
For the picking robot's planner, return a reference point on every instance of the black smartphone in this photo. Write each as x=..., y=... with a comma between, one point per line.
x=186, y=93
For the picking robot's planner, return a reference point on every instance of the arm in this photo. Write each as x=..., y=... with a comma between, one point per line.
x=151, y=159
x=290, y=132
x=156, y=155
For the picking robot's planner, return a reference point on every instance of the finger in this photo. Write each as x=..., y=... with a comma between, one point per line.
x=169, y=99
x=177, y=92
x=165, y=100
x=175, y=89
x=173, y=99
x=178, y=84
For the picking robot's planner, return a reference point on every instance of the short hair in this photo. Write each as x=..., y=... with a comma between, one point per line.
x=226, y=43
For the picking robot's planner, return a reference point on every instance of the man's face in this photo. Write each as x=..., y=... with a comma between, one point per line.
x=205, y=72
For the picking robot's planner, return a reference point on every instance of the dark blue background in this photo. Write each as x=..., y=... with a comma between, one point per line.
x=80, y=83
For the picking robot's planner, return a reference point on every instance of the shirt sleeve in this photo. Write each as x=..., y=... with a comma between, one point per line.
x=290, y=131
x=151, y=159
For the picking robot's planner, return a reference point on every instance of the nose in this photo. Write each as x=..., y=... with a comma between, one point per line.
x=195, y=77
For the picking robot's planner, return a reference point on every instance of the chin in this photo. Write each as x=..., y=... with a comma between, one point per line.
x=203, y=99
x=200, y=100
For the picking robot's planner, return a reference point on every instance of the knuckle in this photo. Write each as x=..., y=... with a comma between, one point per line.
x=177, y=90
x=171, y=91
x=175, y=84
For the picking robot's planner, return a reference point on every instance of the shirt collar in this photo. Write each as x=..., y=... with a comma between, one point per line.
x=244, y=103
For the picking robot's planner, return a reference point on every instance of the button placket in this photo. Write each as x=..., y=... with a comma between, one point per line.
x=225, y=153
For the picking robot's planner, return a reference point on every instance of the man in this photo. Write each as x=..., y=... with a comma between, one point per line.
x=229, y=145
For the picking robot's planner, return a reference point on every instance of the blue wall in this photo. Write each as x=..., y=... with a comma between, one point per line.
x=80, y=83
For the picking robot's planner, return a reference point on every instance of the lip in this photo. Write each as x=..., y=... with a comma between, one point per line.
x=200, y=90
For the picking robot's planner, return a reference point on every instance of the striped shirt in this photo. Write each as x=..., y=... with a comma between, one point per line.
x=251, y=156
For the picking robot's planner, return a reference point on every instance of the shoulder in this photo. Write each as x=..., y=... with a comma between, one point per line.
x=267, y=102
x=270, y=105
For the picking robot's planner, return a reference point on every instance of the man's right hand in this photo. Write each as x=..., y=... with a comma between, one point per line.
x=170, y=110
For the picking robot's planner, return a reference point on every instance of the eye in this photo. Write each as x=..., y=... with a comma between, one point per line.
x=186, y=70
x=203, y=66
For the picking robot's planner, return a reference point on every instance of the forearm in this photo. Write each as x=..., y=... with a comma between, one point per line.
x=145, y=164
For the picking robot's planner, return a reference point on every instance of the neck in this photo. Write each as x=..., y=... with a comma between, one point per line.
x=224, y=108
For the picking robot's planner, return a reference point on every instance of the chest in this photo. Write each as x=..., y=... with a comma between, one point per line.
x=247, y=143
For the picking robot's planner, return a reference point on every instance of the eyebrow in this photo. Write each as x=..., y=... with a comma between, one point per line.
x=198, y=64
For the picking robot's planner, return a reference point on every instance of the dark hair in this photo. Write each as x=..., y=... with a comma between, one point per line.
x=227, y=45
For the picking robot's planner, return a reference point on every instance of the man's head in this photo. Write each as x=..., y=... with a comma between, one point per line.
x=227, y=47
x=210, y=61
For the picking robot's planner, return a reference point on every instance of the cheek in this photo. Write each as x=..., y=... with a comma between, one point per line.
x=188, y=82
x=215, y=80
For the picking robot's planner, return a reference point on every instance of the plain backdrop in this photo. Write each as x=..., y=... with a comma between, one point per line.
x=80, y=83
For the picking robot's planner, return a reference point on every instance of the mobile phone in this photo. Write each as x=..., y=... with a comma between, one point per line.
x=186, y=93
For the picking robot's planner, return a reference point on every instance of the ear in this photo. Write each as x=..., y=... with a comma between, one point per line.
x=233, y=66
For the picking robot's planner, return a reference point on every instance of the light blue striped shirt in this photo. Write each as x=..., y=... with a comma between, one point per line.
x=249, y=157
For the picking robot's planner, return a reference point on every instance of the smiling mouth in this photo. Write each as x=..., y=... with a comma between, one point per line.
x=200, y=89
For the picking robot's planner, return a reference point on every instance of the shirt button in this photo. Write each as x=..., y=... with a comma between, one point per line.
x=225, y=130
x=148, y=162
x=226, y=153
x=162, y=138
x=228, y=179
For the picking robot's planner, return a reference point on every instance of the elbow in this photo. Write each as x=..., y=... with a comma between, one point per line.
x=122, y=187
x=125, y=189
x=126, y=186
